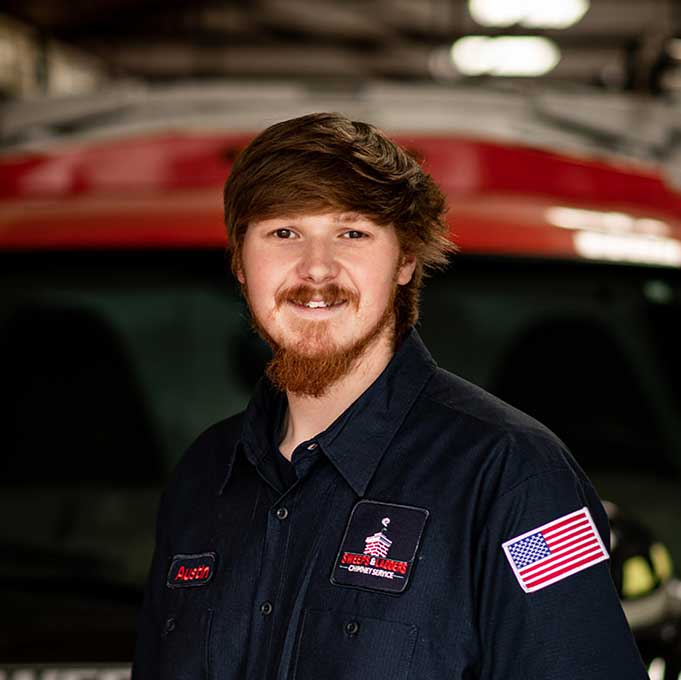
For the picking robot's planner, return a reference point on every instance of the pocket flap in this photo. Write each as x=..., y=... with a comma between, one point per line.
x=339, y=646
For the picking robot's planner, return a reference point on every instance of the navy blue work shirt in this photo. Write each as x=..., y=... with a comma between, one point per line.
x=433, y=532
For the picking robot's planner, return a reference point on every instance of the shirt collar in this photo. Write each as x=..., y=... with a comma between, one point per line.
x=356, y=441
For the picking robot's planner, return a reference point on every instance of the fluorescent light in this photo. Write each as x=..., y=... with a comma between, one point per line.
x=554, y=13
x=524, y=56
x=504, y=56
x=495, y=12
x=529, y=13
x=472, y=55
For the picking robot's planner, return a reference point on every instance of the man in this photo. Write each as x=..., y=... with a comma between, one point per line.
x=369, y=514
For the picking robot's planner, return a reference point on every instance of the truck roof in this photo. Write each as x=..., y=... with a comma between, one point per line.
x=163, y=191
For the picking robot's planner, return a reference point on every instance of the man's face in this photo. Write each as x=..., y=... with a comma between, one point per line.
x=322, y=283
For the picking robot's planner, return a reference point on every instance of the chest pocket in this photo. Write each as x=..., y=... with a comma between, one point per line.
x=185, y=637
x=338, y=646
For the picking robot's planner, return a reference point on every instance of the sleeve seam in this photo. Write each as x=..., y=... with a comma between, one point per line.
x=517, y=486
x=529, y=478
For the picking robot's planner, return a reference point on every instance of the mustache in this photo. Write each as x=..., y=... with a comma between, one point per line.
x=331, y=294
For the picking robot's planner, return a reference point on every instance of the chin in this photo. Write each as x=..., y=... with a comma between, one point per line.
x=310, y=338
x=314, y=347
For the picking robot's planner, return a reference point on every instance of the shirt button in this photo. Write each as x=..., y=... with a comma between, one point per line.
x=282, y=513
x=170, y=625
x=266, y=608
x=351, y=628
x=312, y=447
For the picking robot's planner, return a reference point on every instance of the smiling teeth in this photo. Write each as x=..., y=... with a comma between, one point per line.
x=315, y=304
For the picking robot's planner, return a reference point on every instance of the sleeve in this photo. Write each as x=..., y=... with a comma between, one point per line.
x=150, y=628
x=566, y=622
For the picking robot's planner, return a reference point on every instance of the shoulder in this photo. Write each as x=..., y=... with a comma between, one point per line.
x=505, y=444
x=206, y=462
x=518, y=472
x=474, y=405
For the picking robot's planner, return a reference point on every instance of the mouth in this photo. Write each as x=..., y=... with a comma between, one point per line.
x=317, y=309
x=316, y=303
x=319, y=304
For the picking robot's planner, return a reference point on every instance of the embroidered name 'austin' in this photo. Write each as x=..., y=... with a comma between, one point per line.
x=193, y=574
x=191, y=570
x=555, y=550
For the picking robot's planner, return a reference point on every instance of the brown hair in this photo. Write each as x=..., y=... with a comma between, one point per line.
x=325, y=161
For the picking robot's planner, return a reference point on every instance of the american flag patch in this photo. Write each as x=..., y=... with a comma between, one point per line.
x=555, y=550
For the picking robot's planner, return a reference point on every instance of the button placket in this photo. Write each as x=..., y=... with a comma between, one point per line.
x=304, y=458
x=276, y=543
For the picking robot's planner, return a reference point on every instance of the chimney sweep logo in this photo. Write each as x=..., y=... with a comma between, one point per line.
x=378, y=549
x=378, y=544
x=374, y=560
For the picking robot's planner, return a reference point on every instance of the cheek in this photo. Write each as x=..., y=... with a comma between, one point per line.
x=261, y=302
x=257, y=292
x=264, y=274
x=377, y=287
x=256, y=272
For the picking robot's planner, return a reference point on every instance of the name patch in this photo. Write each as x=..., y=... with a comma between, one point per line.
x=379, y=546
x=191, y=570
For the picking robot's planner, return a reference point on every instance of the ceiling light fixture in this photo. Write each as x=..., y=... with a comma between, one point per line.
x=525, y=56
x=529, y=13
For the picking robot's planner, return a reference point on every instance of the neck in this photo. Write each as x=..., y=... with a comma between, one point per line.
x=308, y=416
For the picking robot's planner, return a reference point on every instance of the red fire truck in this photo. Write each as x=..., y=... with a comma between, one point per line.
x=123, y=336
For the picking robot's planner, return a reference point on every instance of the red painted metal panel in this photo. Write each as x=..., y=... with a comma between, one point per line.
x=165, y=192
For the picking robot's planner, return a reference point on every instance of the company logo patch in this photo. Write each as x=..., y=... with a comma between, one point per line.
x=379, y=546
x=555, y=550
x=191, y=570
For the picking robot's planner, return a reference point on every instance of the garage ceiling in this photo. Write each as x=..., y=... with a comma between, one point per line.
x=620, y=44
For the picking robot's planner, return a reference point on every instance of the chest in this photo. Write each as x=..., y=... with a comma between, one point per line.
x=319, y=583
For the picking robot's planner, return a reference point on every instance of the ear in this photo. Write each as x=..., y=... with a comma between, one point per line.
x=238, y=269
x=406, y=269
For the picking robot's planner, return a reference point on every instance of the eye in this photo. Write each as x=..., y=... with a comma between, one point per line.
x=354, y=234
x=284, y=233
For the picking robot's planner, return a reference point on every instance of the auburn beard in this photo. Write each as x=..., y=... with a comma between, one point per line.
x=311, y=365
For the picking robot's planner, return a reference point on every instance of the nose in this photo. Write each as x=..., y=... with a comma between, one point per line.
x=317, y=262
